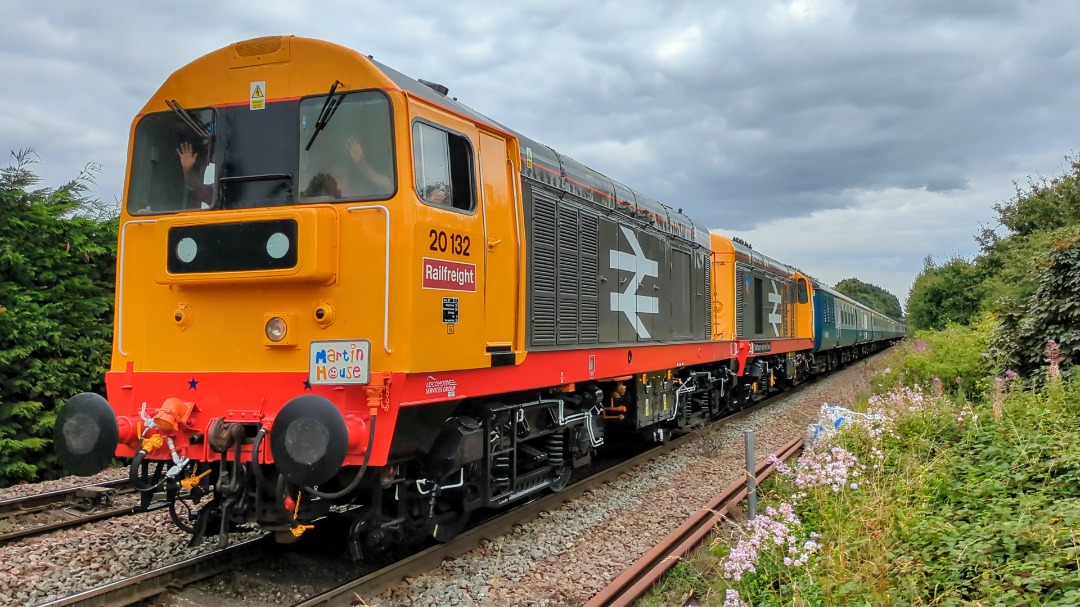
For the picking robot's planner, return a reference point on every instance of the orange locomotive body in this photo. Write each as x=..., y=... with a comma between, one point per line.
x=338, y=286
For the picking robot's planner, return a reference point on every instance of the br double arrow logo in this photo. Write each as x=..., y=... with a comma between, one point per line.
x=629, y=302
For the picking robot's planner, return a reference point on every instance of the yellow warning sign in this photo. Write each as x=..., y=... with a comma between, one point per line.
x=258, y=95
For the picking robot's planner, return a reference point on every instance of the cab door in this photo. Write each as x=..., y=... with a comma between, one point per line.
x=446, y=309
x=502, y=248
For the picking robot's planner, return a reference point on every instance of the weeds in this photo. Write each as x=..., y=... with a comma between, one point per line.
x=939, y=493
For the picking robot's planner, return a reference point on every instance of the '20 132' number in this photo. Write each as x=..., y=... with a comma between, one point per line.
x=456, y=243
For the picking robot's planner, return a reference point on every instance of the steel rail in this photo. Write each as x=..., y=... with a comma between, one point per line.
x=151, y=583
x=15, y=505
x=431, y=558
x=72, y=522
x=632, y=584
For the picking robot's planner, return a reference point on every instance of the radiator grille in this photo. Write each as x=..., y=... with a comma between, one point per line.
x=590, y=286
x=708, y=298
x=258, y=46
x=740, y=301
x=569, y=264
x=544, y=269
x=565, y=269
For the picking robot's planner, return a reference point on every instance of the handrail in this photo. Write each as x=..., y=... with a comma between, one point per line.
x=120, y=284
x=386, y=271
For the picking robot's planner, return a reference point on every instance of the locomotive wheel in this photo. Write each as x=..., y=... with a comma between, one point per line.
x=450, y=527
x=562, y=479
x=717, y=404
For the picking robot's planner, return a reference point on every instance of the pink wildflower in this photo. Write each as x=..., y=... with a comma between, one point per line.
x=732, y=599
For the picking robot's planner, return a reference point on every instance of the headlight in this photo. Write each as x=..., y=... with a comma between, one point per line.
x=276, y=329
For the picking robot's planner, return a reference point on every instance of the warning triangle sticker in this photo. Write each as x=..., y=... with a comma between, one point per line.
x=257, y=100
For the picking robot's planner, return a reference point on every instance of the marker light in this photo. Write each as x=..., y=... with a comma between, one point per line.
x=276, y=329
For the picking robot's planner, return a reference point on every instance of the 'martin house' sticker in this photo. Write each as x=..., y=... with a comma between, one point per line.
x=339, y=361
x=449, y=275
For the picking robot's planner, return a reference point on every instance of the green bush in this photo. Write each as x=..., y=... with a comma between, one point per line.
x=1000, y=508
x=927, y=499
x=57, y=271
x=1052, y=312
x=875, y=297
x=946, y=294
x=952, y=359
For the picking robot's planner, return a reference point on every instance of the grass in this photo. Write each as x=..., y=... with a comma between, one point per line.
x=939, y=495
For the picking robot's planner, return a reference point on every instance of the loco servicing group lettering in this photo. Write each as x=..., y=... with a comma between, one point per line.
x=440, y=386
x=449, y=275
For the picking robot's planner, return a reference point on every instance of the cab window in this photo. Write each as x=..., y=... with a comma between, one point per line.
x=804, y=291
x=443, y=167
x=351, y=156
x=171, y=162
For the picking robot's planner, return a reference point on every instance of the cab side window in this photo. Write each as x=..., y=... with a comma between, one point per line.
x=444, y=167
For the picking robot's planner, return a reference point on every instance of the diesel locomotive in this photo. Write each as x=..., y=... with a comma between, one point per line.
x=337, y=286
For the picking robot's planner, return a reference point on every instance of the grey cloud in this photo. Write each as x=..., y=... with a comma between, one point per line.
x=738, y=112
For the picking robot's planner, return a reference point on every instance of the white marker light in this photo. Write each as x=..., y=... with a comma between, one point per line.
x=276, y=329
x=186, y=250
x=277, y=245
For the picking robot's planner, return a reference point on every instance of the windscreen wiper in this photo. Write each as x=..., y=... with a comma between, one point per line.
x=329, y=107
x=199, y=129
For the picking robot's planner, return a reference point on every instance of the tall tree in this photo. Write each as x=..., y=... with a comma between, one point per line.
x=1051, y=312
x=944, y=294
x=1044, y=204
x=57, y=270
x=874, y=296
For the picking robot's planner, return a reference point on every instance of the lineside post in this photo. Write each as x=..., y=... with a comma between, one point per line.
x=751, y=479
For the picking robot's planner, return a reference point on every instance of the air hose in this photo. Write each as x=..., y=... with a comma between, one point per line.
x=256, y=446
x=133, y=475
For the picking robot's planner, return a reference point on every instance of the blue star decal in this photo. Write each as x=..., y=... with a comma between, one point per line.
x=307, y=385
x=193, y=384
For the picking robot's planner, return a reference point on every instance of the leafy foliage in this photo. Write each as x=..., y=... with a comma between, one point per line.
x=1051, y=312
x=952, y=360
x=950, y=293
x=962, y=498
x=993, y=521
x=1043, y=216
x=1045, y=204
x=874, y=296
x=57, y=270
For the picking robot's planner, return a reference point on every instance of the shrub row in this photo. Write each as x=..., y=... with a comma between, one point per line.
x=57, y=270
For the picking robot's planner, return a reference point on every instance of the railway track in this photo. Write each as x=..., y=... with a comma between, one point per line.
x=61, y=509
x=152, y=583
x=149, y=584
x=632, y=584
x=431, y=558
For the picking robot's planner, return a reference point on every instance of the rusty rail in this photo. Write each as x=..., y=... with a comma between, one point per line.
x=647, y=570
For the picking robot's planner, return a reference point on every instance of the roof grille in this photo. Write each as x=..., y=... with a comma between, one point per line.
x=259, y=46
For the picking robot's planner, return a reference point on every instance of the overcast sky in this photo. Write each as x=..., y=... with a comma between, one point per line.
x=848, y=137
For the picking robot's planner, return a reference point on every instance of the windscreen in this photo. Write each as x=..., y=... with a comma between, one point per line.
x=350, y=155
x=170, y=163
x=290, y=152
